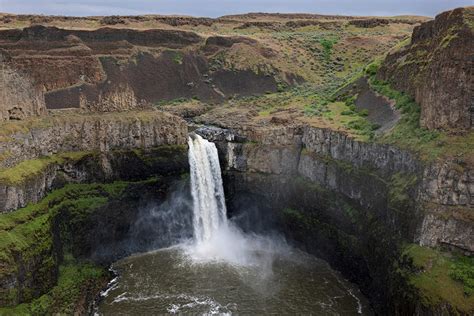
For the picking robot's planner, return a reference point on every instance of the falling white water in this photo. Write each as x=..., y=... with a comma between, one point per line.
x=209, y=209
x=215, y=238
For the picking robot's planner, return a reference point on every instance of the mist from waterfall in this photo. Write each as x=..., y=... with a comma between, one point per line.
x=216, y=238
x=221, y=270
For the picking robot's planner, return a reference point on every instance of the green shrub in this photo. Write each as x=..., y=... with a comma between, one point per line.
x=462, y=270
x=364, y=112
x=178, y=58
x=350, y=101
x=372, y=68
x=327, y=45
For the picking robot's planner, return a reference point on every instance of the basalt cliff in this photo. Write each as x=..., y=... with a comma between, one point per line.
x=351, y=136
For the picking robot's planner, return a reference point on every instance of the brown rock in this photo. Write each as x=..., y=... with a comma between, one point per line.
x=19, y=98
x=436, y=68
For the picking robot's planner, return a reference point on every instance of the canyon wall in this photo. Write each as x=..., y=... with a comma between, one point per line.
x=111, y=69
x=84, y=138
x=436, y=69
x=442, y=190
x=352, y=203
x=20, y=98
x=73, y=192
x=101, y=133
x=86, y=223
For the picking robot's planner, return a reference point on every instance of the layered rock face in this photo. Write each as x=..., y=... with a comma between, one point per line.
x=20, y=99
x=120, y=69
x=436, y=69
x=100, y=133
x=96, y=138
x=351, y=202
x=447, y=196
x=442, y=190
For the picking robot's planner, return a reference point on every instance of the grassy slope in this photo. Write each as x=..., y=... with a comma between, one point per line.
x=442, y=277
x=74, y=279
x=18, y=174
x=27, y=231
x=408, y=134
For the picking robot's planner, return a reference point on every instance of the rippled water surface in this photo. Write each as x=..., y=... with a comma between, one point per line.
x=169, y=282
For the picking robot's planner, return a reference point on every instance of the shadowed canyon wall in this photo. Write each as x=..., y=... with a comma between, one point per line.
x=350, y=202
x=78, y=189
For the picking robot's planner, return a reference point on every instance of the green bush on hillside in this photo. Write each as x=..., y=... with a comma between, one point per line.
x=462, y=270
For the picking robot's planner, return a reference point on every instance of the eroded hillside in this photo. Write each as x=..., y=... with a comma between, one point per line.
x=350, y=133
x=120, y=63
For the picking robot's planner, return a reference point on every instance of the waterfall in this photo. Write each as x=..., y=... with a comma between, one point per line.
x=207, y=191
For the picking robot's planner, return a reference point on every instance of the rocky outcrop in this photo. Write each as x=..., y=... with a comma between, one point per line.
x=90, y=140
x=95, y=133
x=447, y=197
x=112, y=69
x=20, y=98
x=134, y=164
x=448, y=184
x=436, y=69
x=368, y=23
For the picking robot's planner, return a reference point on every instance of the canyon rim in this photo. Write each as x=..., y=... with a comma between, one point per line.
x=187, y=165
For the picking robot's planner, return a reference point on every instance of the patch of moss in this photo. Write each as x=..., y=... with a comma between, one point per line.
x=175, y=102
x=441, y=277
x=74, y=279
x=447, y=40
x=462, y=270
x=30, y=168
x=399, y=188
x=28, y=231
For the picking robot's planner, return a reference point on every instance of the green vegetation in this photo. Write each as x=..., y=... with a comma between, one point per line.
x=327, y=45
x=74, y=279
x=30, y=168
x=399, y=188
x=28, y=231
x=178, y=58
x=408, y=134
x=447, y=40
x=313, y=105
x=441, y=277
x=462, y=270
x=174, y=102
x=365, y=128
